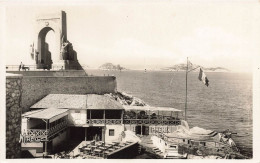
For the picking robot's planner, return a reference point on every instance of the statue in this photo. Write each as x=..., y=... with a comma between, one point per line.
x=32, y=50
x=36, y=56
x=64, y=50
x=67, y=51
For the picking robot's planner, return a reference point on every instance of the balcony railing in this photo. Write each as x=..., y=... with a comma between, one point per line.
x=133, y=121
x=103, y=121
x=46, y=134
x=54, y=130
x=152, y=122
x=37, y=132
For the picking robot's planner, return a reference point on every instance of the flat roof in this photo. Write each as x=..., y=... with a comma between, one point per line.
x=151, y=108
x=45, y=113
x=74, y=101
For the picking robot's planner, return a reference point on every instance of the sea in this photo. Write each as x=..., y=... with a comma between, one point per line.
x=225, y=104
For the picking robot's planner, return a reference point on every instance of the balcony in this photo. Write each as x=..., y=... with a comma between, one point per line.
x=44, y=134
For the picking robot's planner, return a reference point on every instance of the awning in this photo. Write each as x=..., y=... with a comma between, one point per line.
x=50, y=114
x=151, y=108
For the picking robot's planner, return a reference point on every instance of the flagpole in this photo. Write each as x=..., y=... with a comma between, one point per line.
x=186, y=91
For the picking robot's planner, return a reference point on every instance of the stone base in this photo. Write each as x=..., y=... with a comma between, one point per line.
x=72, y=65
x=61, y=65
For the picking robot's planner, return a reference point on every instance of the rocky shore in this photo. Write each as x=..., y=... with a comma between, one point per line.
x=126, y=99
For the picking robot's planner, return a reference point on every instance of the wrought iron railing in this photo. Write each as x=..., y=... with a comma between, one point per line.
x=113, y=121
x=57, y=128
x=37, y=132
x=104, y=121
x=134, y=121
x=152, y=121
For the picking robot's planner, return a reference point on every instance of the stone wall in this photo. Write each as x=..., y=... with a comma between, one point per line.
x=13, y=115
x=35, y=88
x=50, y=73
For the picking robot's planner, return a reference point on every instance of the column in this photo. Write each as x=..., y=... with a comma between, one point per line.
x=85, y=133
x=122, y=116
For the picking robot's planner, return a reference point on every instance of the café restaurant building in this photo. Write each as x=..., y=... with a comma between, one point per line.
x=61, y=117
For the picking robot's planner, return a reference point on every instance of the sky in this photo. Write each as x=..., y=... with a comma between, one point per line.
x=142, y=34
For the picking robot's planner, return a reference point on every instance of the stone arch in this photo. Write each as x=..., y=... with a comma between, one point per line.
x=56, y=22
x=45, y=59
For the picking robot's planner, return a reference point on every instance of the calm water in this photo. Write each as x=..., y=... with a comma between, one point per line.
x=226, y=103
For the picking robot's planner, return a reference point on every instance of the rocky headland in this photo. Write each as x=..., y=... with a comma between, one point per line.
x=182, y=67
x=110, y=66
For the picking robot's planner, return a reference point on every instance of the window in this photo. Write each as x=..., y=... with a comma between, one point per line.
x=203, y=143
x=111, y=132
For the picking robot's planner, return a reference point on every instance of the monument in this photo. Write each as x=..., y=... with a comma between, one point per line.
x=67, y=57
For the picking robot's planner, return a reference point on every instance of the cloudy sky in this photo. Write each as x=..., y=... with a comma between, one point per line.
x=144, y=34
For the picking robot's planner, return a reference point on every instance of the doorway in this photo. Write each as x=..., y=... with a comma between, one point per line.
x=142, y=130
x=94, y=133
x=77, y=133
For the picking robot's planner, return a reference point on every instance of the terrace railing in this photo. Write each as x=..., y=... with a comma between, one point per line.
x=43, y=133
x=37, y=132
x=152, y=121
x=57, y=128
x=134, y=121
x=104, y=121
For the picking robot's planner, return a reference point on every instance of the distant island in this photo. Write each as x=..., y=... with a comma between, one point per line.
x=110, y=66
x=182, y=67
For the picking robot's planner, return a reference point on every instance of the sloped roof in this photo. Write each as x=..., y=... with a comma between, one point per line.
x=102, y=102
x=62, y=101
x=72, y=101
x=151, y=108
x=31, y=112
x=45, y=113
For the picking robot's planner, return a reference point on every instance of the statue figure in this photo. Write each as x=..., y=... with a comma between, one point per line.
x=67, y=52
x=36, y=56
x=32, y=50
x=71, y=52
x=64, y=50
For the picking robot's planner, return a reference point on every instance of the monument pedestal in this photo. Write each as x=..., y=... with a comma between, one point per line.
x=66, y=65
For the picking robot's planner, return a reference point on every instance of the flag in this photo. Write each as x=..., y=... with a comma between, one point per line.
x=203, y=78
x=190, y=64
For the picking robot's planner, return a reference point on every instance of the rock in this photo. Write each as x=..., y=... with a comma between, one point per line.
x=13, y=94
x=8, y=86
x=19, y=82
x=126, y=95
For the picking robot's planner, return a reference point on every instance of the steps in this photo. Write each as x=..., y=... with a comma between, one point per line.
x=157, y=151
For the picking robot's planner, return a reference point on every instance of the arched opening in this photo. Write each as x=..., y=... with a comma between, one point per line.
x=44, y=56
x=51, y=41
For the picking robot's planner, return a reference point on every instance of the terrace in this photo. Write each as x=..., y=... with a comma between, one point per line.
x=148, y=115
